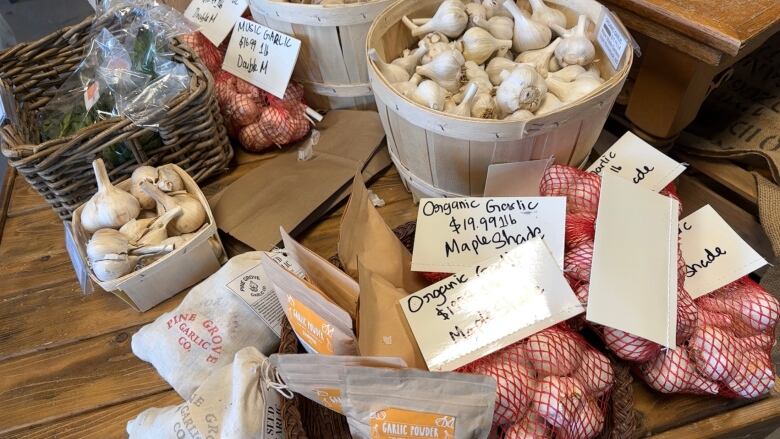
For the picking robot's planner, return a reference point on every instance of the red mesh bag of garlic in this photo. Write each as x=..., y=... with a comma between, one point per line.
x=724, y=338
x=552, y=384
x=210, y=54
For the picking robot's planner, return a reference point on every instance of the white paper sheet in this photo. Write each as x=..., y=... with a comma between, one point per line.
x=519, y=179
x=215, y=18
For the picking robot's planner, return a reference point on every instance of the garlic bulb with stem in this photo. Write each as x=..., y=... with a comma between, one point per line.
x=539, y=58
x=547, y=15
x=521, y=89
x=479, y=44
x=391, y=72
x=575, y=47
x=157, y=232
x=496, y=66
x=110, y=207
x=407, y=88
x=528, y=34
x=193, y=214
x=484, y=106
x=550, y=103
x=450, y=19
x=464, y=108
x=445, y=69
x=141, y=173
x=112, y=256
x=499, y=26
x=168, y=179
x=476, y=12
x=568, y=73
x=430, y=94
x=412, y=60
x=571, y=91
x=520, y=115
x=135, y=228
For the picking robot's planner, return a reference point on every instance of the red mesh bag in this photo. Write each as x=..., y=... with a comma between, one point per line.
x=552, y=384
x=208, y=53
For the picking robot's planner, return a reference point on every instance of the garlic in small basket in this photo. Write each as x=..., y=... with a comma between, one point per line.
x=111, y=255
x=193, y=214
x=141, y=173
x=110, y=207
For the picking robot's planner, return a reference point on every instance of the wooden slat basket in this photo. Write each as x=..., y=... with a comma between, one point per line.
x=332, y=61
x=191, y=134
x=440, y=155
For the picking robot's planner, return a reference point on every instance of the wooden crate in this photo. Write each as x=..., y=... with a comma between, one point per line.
x=450, y=154
x=332, y=61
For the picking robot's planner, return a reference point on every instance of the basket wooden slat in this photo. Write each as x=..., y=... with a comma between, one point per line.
x=192, y=133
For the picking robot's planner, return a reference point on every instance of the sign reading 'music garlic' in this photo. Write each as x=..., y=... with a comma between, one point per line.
x=481, y=310
x=456, y=234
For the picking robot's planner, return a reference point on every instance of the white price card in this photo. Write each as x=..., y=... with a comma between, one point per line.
x=637, y=161
x=714, y=253
x=215, y=18
x=454, y=234
x=633, y=280
x=520, y=179
x=261, y=56
x=481, y=310
x=611, y=38
x=254, y=288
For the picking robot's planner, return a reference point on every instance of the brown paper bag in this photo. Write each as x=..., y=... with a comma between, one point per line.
x=383, y=328
x=334, y=283
x=364, y=235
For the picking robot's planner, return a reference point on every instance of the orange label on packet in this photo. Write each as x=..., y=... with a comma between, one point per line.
x=330, y=398
x=310, y=327
x=395, y=423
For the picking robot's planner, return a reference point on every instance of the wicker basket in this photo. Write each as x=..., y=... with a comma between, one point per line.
x=449, y=155
x=192, y=133
x=304, y=418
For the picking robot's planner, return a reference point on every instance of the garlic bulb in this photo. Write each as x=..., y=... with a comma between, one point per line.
x=484, y=106
x=157, y=232
x=528, y=34
x=575, y=47
x=550, y=103
x=110, y=207
x=464, y=108
x=479, y=44
x=499, y=26
x=568, y=73
x=111, y=255
x=520, y=115
x=450, y=19
x=493, y=8
x=474, y=72
x=571, y=91
x=169, y=180
x=407, y=88
x=106, y=242
x=539, y=58
x=547, y=15
x=141, y=173
x=412, y=60
x=148, y=213
x=430, y=94
x=522, y=89
x=498, y=65
x=391, y=72
x=445, y=69
x=193, y=214
x=592, y=72
x=135, y=228
x=477, y=13
x=178, y=241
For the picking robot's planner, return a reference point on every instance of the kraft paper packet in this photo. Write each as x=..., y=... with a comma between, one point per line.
x=321, y=326
x=322, y=378
x=364, y=235
x=409, y=403
x=235, y=401
x=253, y=206
x=332, y=282
x=383, y=329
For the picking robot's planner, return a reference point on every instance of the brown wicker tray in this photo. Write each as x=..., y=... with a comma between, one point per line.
x=192, y=134
x=304, y=418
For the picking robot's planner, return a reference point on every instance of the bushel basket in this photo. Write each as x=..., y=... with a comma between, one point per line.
x=191, y=133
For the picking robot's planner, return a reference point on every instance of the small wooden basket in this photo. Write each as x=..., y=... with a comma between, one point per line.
x=332, y=62
x=449, y=155
x=191, y=133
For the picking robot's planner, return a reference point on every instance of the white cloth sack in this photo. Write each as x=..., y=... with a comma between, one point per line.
x=205, y=331
x=235, y=402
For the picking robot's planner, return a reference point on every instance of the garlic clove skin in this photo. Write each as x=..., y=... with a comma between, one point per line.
x=140, y=173
x=539, y=58
x=547, y=15
x=193, y=214
x=445, y=69
x=135, y=228
x=568, y=73
x=528, y=34
x=430, y=94
x=479, y=44
x=496, y=66
x=499, y=26
x=576, y=47
x=111, y=269
x=110, y=207
x=549, y=104
x=522, y=89
x=412, y=60
x=392, y=73
x=168, y=180
x=572, y=91
x=450, y=19
x=520, y=115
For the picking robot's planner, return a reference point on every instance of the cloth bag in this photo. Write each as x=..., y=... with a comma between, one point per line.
x=237, y=401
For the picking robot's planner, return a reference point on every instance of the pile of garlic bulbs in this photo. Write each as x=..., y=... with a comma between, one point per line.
x=494, y=61
x=325, y=2
x=157, y=216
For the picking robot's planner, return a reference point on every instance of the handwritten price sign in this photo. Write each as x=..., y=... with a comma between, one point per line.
x=215, y=17
x=261, y=56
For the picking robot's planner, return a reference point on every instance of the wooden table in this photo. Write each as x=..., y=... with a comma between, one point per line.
x=67, y=371
x=685, y=45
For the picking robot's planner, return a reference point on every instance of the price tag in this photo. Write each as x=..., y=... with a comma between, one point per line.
x=636, y=160
x=454, y=234
x=714, y=253
x=254, y=288
x=261, y=56
x=215, y=17
x=611, y=39
x=519, y=179
x=633, y=280
x=478, y=311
